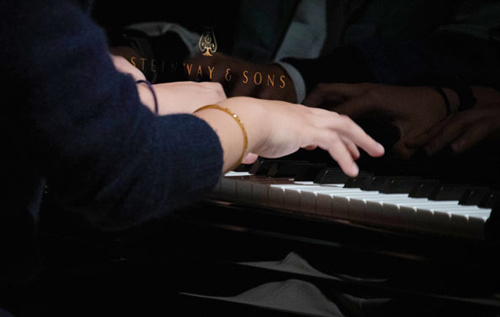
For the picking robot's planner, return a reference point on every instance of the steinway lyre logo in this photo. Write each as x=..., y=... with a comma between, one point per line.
x=207, y=43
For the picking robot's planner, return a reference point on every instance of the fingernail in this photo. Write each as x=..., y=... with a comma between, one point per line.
x=355, y=169
x=381, y=147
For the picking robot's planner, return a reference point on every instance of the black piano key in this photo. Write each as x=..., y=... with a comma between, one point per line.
x=336, y=176
x=490, y=200
x=262, y=166
x=378, y=183
x=387, y=184
x=474, y=196
x=291, y=169
x=449, y=192
x=331, y=176
x=362, y=181
x=243, y=168
x=425, y=188
x=400, y=185
x=309, y=172
x=374, y=183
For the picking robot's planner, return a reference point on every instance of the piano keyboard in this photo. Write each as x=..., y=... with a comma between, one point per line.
x=402, y=203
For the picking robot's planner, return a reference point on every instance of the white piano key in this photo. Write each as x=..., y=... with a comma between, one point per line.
x=308, y=198
x=476, y=224
x=390, y=215
x=296, y=197
x=309, y=194
x=354, y=204
x=324, y=203
x=350, y=203
x=308, y=201
x=393, y=210
x=276, y=195
x=410, y=212
x=244, y=191
x=408, y=217
x=461, y=223
x=358, y=206
x=332, y=203
x=358, y=210
x=260, y=194
x=308, y=183
x=260, y=189
x=228, y=188
x=292, y=199
x=426, y=203
x=340, y=206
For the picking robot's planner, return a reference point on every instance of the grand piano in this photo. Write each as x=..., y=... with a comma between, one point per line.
x=293, y=237
x=379, y=244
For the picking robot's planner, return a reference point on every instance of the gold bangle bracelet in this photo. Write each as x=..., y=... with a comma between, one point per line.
x=237, y=119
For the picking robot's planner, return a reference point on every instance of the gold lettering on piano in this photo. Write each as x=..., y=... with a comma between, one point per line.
x=209, y=68
x=282, y=80
x=270, y=80
x=211, y=71
x=246, y=77
x=257, y=78
x=227, y=76
x=188, y=67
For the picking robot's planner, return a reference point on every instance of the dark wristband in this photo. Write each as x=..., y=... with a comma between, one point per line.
x=150, y=86
x=445, y=98
x=464, y=93
x=460, y=87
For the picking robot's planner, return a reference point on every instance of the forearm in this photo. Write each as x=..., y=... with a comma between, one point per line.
x=139, y=171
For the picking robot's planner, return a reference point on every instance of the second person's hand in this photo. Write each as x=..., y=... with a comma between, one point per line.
x=181, y=97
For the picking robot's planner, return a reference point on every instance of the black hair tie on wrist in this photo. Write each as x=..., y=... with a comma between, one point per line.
x=150, y=86
x=445, y=98
x=466, y=98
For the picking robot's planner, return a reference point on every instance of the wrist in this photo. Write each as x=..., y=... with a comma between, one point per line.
x=230, y=132
x=237, y=119
x=252, y=115
x=450, y=100
x=456, y=88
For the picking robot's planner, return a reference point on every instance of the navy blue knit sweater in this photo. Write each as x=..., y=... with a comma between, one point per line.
x=70, y=119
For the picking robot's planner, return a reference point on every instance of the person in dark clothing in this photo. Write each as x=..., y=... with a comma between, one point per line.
x=75, y=121
x=433, y=51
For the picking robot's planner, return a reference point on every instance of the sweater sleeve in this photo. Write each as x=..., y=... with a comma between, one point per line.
x=103, y=153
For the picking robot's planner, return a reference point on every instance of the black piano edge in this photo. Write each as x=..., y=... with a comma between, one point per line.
x=378, y=228
x=394, y=242
x=136, y=248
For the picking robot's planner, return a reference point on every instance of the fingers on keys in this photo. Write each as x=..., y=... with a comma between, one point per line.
x=341, y=137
